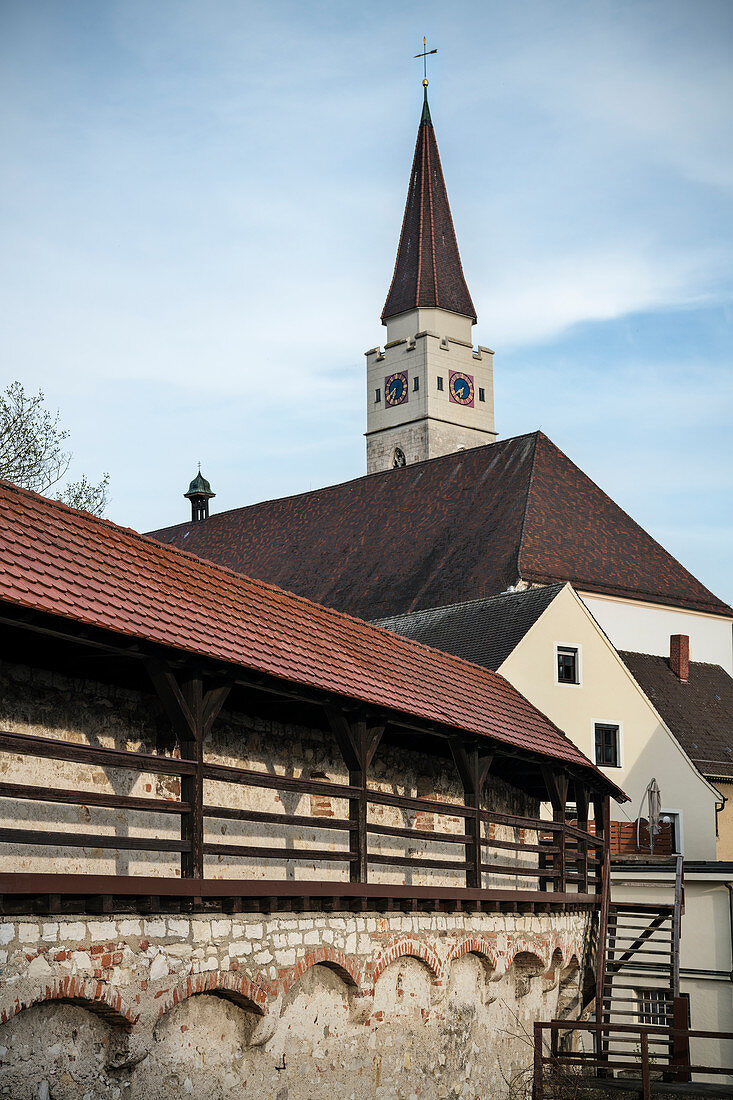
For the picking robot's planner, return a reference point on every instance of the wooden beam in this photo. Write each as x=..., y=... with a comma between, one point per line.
x=472, y=767
x=192, y=713
x=358, y=743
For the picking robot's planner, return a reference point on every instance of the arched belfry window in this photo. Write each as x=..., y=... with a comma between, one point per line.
x=398, y=458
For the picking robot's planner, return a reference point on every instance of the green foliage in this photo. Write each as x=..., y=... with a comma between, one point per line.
x=33, y=454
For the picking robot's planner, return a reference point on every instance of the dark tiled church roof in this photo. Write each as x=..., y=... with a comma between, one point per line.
x=699, y=712
x=428, y=271
x=482, y=631
x=460, y=527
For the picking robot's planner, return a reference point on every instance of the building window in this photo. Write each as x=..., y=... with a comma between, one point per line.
x=440, y=383
x=674, y=823
x=568, y=665
x=655, y=1007
x=377, y=396
x=481, y=394
x=608, y=754
x=416, y=383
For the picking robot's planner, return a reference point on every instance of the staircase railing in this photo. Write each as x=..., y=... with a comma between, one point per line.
x=634, y=1040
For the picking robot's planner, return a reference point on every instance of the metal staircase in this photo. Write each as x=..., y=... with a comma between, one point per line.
x=641, y=976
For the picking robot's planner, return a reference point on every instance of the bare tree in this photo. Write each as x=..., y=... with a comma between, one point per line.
x=33, y=454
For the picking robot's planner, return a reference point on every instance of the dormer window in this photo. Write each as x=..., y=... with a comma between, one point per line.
x=568, y=664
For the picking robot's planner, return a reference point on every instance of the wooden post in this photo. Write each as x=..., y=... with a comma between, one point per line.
x=602, y=810
x=358, y=743
x=473, y=767
x=646, y=1082
x=680, y=1042
x=538, y=1087
x=192, y=786
x=192, y=712
x=582, y=799
x=556, y=784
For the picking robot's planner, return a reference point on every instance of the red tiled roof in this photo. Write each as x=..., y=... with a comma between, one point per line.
x=70, y=564
x=428, y=270
x=461, y=527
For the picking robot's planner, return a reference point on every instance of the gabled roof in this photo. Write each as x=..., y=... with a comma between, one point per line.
x=72, y=565
x=428, y=270
x=484, y=632
x=699, y=712
x=459, y=527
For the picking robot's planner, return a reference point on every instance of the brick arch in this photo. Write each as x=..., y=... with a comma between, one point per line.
x=409, y=947
x=86, y=993
x=471, y=946
x=233, y=987
x=540, y=951
x=343, y=965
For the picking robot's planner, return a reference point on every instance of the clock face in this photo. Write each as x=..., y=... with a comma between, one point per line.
x=395, y=389
x=460, y=388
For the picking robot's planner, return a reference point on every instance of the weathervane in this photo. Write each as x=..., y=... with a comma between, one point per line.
x=424, y=55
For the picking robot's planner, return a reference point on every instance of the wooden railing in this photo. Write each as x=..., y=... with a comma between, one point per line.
x=520, y=855
x=636, y=1052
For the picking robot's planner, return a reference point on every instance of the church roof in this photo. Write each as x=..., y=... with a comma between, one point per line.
x=463, y=526
x=484, y=632
x=698, y=712
x=428, y=271
x=77, y=567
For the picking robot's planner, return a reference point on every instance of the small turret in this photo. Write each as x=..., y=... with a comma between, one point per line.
x=199, y=493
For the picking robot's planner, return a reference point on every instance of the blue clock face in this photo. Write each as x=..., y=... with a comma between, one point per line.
x=460, y=388
x=395, y=389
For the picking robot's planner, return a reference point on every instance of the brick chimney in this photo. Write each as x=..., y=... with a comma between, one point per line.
x=679, y=656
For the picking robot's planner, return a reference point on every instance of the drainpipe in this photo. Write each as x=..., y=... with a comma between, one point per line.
x=729, y=888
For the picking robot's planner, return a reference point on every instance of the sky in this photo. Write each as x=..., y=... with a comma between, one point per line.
x=201, y=200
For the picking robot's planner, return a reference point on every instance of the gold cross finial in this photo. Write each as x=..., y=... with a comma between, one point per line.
x=424, y=55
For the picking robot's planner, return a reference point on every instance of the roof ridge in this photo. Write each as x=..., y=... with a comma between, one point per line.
x=654, y=598
x=665, y=658
x=393, y=471
x=520, y=544
x=470, y=603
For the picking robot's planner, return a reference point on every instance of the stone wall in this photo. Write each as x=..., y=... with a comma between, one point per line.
x=286, y=1007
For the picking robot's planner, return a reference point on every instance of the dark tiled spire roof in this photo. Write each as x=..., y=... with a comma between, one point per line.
x=428, y=271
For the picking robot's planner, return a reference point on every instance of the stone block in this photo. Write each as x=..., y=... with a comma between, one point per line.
x=129, y=928
x=178, y=927
x=7, y=932
x=72, y=932
x=50, y=932
x=29, y=933
x=154, y=929
x=38, y=968
x=158, y=968
x=220, y=929
x=102, y=930
x=201, y=930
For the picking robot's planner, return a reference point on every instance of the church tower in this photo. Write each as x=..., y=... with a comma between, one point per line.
x=429, y=392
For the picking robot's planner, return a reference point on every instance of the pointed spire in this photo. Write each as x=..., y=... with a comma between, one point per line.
x=428, y=271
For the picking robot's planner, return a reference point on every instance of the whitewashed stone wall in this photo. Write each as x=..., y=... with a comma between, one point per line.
x=286, y=1006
